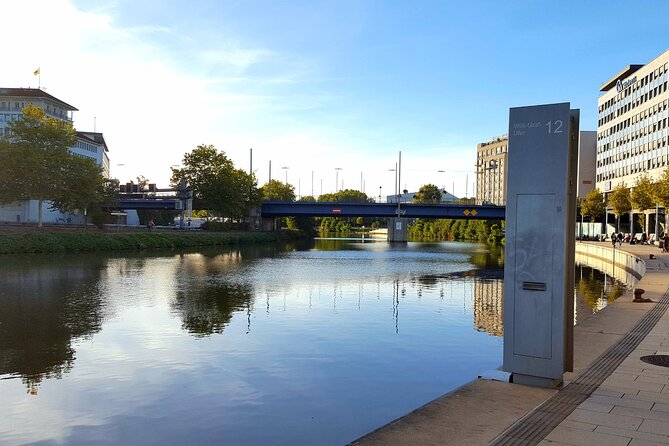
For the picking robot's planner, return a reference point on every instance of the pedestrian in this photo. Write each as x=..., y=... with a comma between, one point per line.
x=666, y=242
x=613, y=240
x=150, y=224
x=620, y=239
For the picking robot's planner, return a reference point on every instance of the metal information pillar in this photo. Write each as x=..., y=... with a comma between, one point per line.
x=539, y=253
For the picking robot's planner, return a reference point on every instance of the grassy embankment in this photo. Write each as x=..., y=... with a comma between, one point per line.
x=59, y=242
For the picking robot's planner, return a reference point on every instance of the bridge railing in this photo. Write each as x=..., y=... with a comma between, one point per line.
x=335, y=209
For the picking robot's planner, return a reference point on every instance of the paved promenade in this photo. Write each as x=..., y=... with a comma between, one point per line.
x=626, y=405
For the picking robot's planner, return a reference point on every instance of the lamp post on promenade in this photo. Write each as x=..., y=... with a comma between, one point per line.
x=286, y=169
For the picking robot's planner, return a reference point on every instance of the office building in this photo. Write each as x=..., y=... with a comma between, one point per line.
x=89, y=145
x=632, y=124
x=491, y=171
x=587, y=162
x=93, y=145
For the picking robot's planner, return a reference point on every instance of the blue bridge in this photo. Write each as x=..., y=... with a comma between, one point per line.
x=271, y=209
x=407, y=210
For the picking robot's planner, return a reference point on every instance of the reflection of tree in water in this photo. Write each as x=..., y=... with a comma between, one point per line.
x=334, y=244
x=594, y=291
x=492, y=257
x=213, y=288
x=208, y=308
x=591, y=291
x=45, y=304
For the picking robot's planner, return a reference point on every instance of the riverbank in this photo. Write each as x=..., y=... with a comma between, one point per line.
x=89, y=241
x=616, y=410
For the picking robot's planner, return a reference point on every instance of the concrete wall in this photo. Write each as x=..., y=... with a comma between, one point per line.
x=627, y=268
x=28, y=212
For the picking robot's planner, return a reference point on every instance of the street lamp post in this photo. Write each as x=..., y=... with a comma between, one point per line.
x=337, y=169
x=492, y=165
x=286, y=169
x=399, y=172
x=395, y=173
x=442, y=171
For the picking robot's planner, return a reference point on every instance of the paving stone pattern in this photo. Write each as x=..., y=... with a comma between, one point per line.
x=617, y=400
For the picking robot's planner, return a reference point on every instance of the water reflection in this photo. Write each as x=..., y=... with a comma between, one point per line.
x=489, y=306
x=43, y=309
x=594, y=291
x=202, y=346
x=491, y=257
x=206, y=308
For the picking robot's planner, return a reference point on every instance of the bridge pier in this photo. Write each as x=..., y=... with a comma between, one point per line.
x=269, y=224
x=397, y=230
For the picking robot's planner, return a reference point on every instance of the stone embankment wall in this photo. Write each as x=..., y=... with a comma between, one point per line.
x=625, y=267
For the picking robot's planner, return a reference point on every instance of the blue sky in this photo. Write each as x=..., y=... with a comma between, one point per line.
x=316, y=85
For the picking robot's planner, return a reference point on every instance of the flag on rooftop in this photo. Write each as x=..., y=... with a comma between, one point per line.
x=36, y=72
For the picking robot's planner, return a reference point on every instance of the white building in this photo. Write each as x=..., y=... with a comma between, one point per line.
x=93, y=145
x=633, y=132
x=89, y=145
x=632, y=128
x=587, y=162
x=491, y=171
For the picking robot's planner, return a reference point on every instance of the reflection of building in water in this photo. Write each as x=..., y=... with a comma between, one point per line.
x=489, y=306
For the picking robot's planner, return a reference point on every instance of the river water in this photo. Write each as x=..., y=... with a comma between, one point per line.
x=314, y=344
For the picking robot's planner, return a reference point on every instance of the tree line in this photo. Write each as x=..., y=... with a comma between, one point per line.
x=644, y=195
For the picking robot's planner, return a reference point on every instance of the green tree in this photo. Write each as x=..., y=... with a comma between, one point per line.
x=217, y=184
x=34, y=157
x=661, y=195
x=82, y=187
x=641, y=198
x=142, y=182
x=278, y=191
x=619, y=199
x=342, y=224
x=428, y=194
x=346, y=196
x=593, y=205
